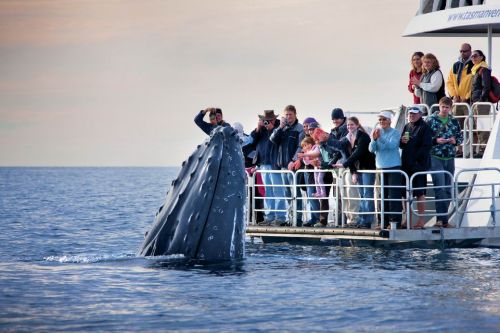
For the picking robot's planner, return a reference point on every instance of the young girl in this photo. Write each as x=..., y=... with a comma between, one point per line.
x=416, y=71
x=310, y=155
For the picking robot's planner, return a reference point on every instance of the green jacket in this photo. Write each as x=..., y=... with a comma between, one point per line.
x=448, y=130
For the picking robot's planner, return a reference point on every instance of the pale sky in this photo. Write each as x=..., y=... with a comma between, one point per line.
x=118, y=83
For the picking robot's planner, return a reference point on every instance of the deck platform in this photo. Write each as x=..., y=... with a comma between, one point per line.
x=428, y=238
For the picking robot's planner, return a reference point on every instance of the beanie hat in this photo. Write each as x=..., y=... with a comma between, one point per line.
x=309, y=120
x=337, y=113
x=313, y=125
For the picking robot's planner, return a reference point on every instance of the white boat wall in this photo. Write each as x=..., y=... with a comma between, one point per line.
x=490, y=159
x=445, y=18
x=461, y=18
x=456, y=18
x=475, y=208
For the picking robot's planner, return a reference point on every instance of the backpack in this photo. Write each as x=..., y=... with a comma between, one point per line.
x=494, y=95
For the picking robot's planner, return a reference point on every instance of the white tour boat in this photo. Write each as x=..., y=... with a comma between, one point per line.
x=475, y=205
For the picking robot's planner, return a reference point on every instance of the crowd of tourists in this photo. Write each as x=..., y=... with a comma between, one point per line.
x=282, y=142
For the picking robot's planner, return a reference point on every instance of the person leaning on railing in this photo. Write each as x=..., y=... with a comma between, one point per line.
x=309, y=177
x=385, y=145
x=321, y=137
x=447, y=135
x=359, y=158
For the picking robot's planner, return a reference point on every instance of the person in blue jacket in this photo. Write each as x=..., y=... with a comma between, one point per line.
x=215, y=116
x=266, y=157
x=287, y=137
x=385, y=145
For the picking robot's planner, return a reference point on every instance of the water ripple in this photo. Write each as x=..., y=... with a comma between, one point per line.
x=67, y=261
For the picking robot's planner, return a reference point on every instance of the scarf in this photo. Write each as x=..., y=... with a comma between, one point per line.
x=476, y=67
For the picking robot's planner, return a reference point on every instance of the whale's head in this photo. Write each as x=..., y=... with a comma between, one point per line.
x=203, y=214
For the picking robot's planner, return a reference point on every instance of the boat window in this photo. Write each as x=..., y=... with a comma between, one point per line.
x=429, y=6
x=440, y=4
x=426, y=6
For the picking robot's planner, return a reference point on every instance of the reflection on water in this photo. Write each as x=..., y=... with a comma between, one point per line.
x=220, y=268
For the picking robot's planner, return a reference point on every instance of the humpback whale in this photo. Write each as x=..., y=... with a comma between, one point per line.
x=203, y=214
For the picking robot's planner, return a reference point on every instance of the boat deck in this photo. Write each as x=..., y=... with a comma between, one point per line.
x=429, y=237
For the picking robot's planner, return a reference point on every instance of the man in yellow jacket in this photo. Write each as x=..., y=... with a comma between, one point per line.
x=459, y=81
x=459, y=84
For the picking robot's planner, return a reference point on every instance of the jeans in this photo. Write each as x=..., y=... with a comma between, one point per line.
x=313, y=202
x=287, y=179
x=270, y=203
x=393, y=208
x=366, y=193
x=350, y=199
x=442, y=179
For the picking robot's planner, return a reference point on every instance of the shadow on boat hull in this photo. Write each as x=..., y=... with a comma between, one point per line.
x=386, y=244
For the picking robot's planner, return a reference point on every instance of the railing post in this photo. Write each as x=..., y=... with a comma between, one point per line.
x=294, y=199
x=471, y=133
x=493, y=205
x=409, y=198
x=254, y=176
x=382, y=199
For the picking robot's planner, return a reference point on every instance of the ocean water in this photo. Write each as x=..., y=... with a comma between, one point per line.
x=68, y=243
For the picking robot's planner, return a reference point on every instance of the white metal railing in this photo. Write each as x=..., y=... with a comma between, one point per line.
x=466, y=119
x=380, y=187
x=339, y=193
x=493, y=197
x=432, y=199
x=483, y=116
x=478, y=123
x=282, y=185
x=333, y=190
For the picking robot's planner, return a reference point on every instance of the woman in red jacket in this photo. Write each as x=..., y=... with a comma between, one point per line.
x=416, y=72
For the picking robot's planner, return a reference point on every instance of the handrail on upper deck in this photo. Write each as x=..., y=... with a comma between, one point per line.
x=473, y=120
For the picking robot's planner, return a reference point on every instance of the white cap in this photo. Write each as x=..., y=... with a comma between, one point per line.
x=386, y=114
x=414, y=109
